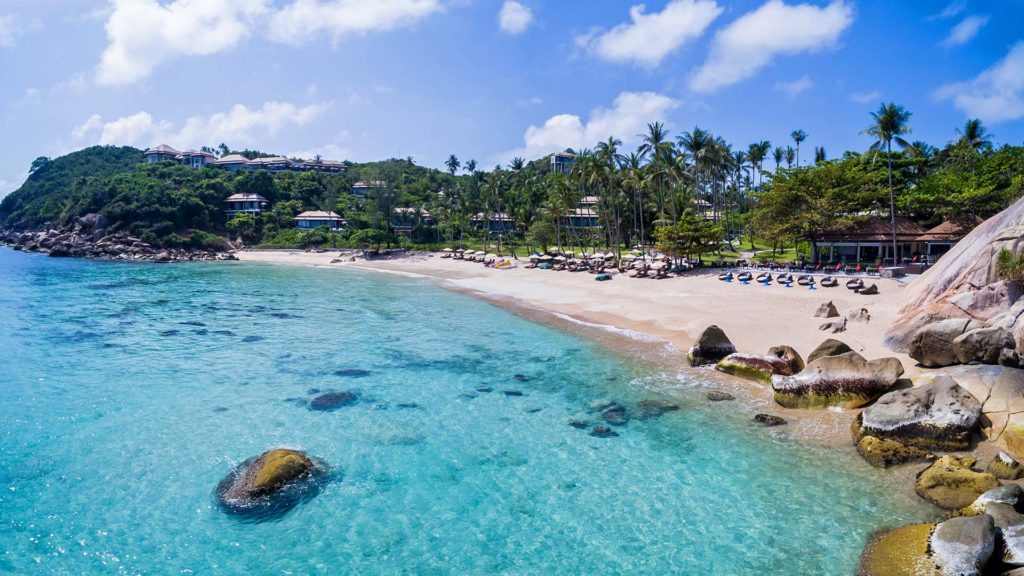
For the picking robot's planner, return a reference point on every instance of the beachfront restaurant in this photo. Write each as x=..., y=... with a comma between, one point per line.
x=870, y=241
x=316, y=218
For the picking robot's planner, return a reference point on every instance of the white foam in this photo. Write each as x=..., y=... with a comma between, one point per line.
x=632, y=334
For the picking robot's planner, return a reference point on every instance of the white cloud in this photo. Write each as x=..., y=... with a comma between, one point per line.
x=514, y=17
x=751, y=42
x=333, y=151
x=629, y=116
x=995, y=95
x=649, y=38
x=299, y=21
x=240, y=126
x=952, y=9
x=964, y=31
x=8, y=30
x=145, y=33
x=796, y=87
x=866, y=97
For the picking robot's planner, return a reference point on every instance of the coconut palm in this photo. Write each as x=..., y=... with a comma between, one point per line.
x=778, y=154
x=698, y=145
x=790, y=156
x=819, y=154
x=453, y=164
x=975, y=135
x=890, y=122
x=798, y=136
x=658, y=147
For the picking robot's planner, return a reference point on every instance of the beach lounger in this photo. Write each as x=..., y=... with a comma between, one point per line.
x=829, y=282
x=856, y=284
x=870, y=290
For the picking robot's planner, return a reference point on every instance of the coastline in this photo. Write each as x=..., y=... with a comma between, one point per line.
x=656, y=321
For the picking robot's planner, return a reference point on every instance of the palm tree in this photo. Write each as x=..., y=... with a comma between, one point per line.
x=636, y=178
x=778, y=154
x=819, y=154
x=798, y=136
x=975, y=135
x=889, y=123
x=470, y=166
x=453, y=164
x=698, y=145
x=657, y=145
x=790, y=156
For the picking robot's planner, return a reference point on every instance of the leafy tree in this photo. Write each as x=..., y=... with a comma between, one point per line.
x=242, y=226
x=688, y=238
x=38, y=164
x=541, y=234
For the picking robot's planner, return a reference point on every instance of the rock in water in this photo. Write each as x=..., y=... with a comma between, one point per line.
x=1004, y=467
x=899, y=551
x=654, y=408
x=265, y=475
x=602, y=432
x=827, y=310
x=719, y=396
x=883, y=453
x=939, y=415
x=769, y=419
x=950, y=483
x=847, y=381
x=712, y=346
x=782, y=360
x=333, y=400
x=983, y=345
x=615, y=415
x=963, y=546
x=832, y=347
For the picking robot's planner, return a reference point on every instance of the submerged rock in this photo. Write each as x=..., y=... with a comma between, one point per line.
x=719, y=396
x=333, y=400
x=712, y=346
x=648, y=409
x=899, y=551
x=352, y=373
x=603, y=432
x=883, y=453
x=1004, y=467
x=951, y=484
x=579, y=423
x=847, y=381
x=940, y=415
x=782, y=360
x=265, y=475
x=770, y=419
x=962, y=546
x=615, y=415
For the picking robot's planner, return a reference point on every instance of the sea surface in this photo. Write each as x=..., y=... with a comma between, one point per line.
x=130, y=390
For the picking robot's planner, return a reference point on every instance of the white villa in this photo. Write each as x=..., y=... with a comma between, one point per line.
x=244, y=203
x=237, y=162
x=316, y=218
x=562, y=162
x=359, y=189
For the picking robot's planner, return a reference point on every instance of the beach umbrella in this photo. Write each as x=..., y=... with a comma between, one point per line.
x=545, y=257
x=559, y=258
x=480, y=253
x=460, y=250
x=446, y=250
x=635, y=252
x=491, y=255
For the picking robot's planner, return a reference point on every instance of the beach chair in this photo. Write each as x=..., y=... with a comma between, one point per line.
x=829, y=282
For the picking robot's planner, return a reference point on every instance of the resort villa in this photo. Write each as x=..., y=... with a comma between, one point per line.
x=316, y=218
x=562, y=162
x=359, y=189
x=496, y=222
x=871, y=241
x=244, y=203
x=404, y=219
x=584, y=216
x=237, y=162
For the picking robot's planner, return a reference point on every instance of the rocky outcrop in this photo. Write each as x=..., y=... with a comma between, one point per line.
x=883, y=453
x=712, y=346
x=846, y=380
x=265, y=475
x=932, y=345
x=1010, y=494
x=951, y=484
x=1004, y=467
x=963, y=546
x=938, y=415
x=1001, y=392
x=984, y=345
x=782, y=360
x=88, y=238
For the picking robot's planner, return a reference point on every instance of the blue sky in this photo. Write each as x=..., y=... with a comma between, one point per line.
x=490, y=79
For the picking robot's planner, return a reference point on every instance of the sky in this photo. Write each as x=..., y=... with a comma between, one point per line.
x=493, y=79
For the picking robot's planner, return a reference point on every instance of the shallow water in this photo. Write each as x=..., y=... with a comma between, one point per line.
x=130, y=391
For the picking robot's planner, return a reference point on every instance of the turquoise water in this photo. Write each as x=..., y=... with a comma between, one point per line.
x=130, y=391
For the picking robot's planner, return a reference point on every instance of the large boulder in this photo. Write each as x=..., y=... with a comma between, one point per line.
x=939, y=415
x=962, y=546
x=1002, y=392
x=984, y=345
x=932, y=346
x=847, y=381
x=265, y=475
x=712, y=346
x=902, y=551
x=1009, y=494
x=883, y=452
x=951, y=484
x=782, y=360
x=1009, y=525
x=827, y=310
x=831, y=347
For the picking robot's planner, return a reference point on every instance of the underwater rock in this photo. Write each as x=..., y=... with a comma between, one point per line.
x=352, y=373
x=252, y=338
x=485, y=389
x=846, y=381
x=782, y=360
x=951, y=484
x=579, y=423
x=770, y=420
x=654, y=408
x=615, y=415
x=719, y=396
x=712, y=346
x=939, y=415
x=883, y=453
x=1004, y=467
x=602, y=432
x=334, y=400
x=513, y=392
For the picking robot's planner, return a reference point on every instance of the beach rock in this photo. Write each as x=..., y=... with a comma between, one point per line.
x=834, y=327
x=932, y=346
x=962, y=546
x=770, y=420
x=1010, y=494
x=1002, y=389
x=860, y=315
x=1004, y=467
x=615, y=415
x=333, y=400
x=648, y=409
x=1009, y=524
x=719, y=396
x=831, y=347
x=712, y=346
x=950, y=483
x=902, y=551
x=939, y=415
x=1009, y=358
x=883, y=453
x=984, y=345
x=827, y=310
x=266, y=474
x=602, y=432
x=847, y=381
x=782, y=360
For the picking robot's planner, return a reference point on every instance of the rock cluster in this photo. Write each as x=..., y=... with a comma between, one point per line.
x=89, y=238
x=951, y=483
